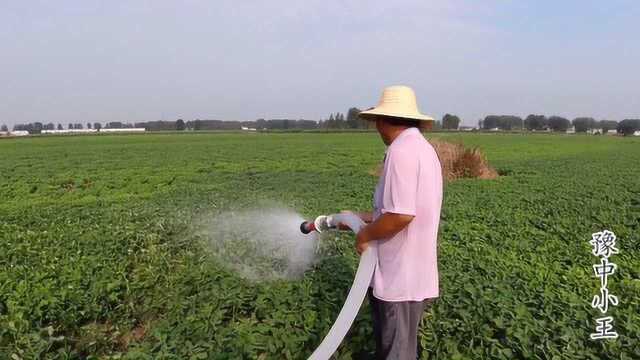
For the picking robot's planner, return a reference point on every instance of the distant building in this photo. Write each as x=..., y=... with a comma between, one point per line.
x=571, y=130
x=19, y=133
x=69, y=131
x=125, y=130
x=594, y=131
x=636, y=133
x=466, y=128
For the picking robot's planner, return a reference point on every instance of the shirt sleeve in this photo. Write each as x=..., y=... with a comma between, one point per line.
x=400, y=183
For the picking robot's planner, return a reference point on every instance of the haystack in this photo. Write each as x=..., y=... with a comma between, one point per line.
x=457, y=162
x=460, y=162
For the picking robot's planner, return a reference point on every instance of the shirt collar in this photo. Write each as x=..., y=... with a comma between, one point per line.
x=406, y=132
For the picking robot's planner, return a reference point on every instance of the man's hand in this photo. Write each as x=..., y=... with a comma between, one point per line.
x=365, y=216
x=385, y=227
x=362, y=240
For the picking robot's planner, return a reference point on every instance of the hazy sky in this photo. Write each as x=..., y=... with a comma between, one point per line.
x=80, y=61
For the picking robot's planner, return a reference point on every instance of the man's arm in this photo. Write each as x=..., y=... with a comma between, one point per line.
x=366, y=216
x=385, y=226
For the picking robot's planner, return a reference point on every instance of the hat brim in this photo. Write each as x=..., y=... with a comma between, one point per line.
x=367, y=114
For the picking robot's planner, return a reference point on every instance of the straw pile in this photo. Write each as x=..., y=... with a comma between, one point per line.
x=457, y=162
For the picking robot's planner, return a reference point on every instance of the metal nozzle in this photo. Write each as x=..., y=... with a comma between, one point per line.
x=320, y=224
x=307, y=227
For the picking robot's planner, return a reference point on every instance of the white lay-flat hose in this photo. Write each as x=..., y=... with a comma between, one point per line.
x=357, y=293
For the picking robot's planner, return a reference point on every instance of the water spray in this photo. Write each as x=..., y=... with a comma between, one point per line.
x=241, y=242
x=358, y=290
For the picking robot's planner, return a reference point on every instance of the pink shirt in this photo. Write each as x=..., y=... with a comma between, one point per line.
x=410, y=184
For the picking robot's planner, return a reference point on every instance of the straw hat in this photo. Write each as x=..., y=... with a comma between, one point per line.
x=397, y=101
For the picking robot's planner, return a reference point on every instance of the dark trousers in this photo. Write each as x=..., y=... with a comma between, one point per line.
x=395, y=327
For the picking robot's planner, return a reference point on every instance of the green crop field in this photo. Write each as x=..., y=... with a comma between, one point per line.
x=96, y=260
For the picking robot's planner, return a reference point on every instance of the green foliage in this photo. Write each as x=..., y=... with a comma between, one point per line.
x=96, y=260
x=502, y=122
x=608, y=125
x=582, y=124
x=558, y=123
x=353, y=121
x=629, y=126
x=536, y=122
x=450, y=122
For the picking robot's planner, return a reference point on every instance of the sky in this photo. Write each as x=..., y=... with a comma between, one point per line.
x=100, y=61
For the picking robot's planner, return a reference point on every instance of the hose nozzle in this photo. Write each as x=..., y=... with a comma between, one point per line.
x=320, y=224
x=307, y=227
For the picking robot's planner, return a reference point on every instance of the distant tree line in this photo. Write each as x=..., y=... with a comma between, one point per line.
x=535, y=122
x=32, y=128
x=502, y=122
x=450, y=122
x=628, y=126
x=157, y=125
x=37, y=127
x=532, y=122
x=339, y=121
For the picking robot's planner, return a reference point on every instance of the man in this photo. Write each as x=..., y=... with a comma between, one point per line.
x=405, y=220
